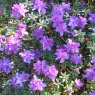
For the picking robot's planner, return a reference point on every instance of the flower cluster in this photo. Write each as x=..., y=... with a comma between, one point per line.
x=79, y=22
x=19, y=79
x=27, y=40
x=57, y=19
x=69, y=51
x=49, y=71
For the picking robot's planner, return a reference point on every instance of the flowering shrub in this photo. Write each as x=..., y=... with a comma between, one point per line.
x=48, y=48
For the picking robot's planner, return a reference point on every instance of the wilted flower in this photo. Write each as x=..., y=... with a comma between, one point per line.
x=76, y=70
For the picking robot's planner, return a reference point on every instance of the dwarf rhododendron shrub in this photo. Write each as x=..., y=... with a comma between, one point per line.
x=47, y=47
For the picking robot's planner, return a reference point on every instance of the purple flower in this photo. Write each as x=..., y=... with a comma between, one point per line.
x=27, y=56
x=70, y=90
x=78, y=83
x=37, y=54
x=93, y=60
x=38, y=33
x=1, y=11
x=18, y=10
x=61, y=55
x=91, y=17
x=19, y=79
x=76, y=58
x=89, y=73
x=82, y=22
x=93, y=29
x=21, y=30
x=20, y=33
x=72, y=46
x=56, y=19
x=6, y=65
x=39, y=66
x=12, y=45
x=82, y=4
x=57, y=15
x=40, y=6
x=36, y=84
x=51, y=72
x=73, y=22
x=47, y=43
x=66, y=7
x=57, y=10
x=92, y=93
x=72, y=32
x=21, y=25
x=61, y=28
x=77, y=22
